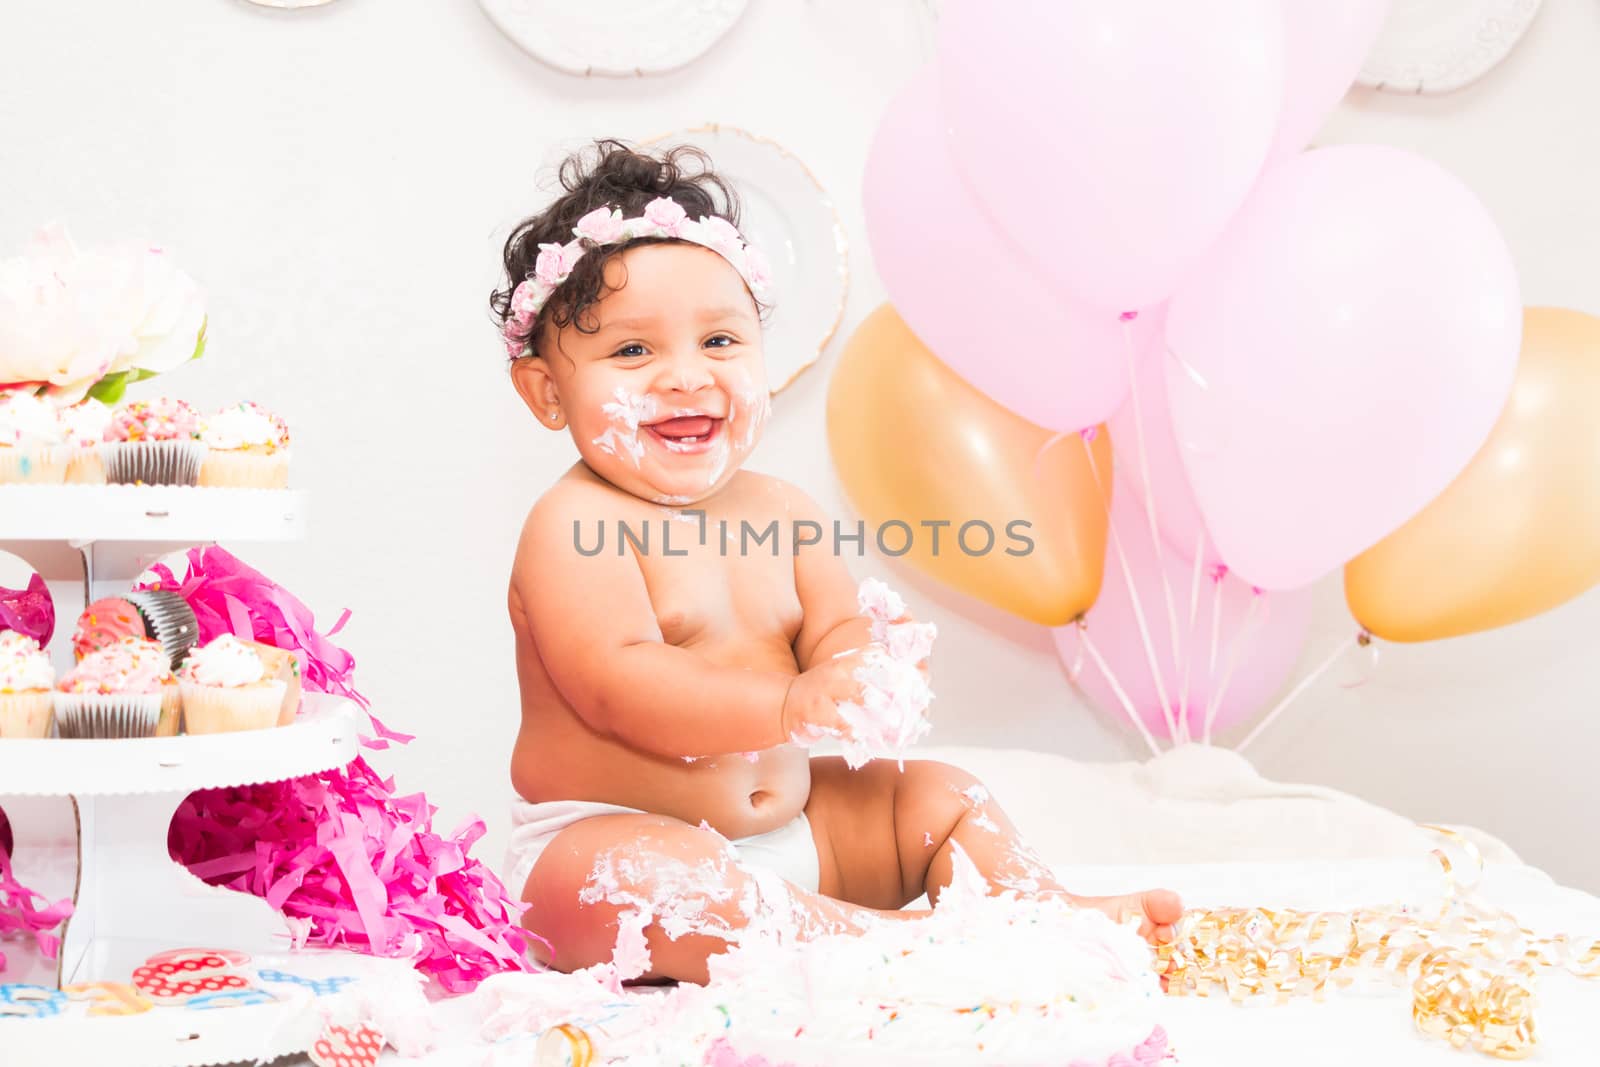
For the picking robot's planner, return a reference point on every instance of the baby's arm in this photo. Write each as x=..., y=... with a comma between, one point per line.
x=597, y=635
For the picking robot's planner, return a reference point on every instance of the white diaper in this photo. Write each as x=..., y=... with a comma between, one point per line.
x=790, y=852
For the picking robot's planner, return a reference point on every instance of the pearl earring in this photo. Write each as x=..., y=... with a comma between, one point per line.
x=554, y=416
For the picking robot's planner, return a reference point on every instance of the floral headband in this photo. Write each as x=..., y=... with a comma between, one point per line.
x=663, y=217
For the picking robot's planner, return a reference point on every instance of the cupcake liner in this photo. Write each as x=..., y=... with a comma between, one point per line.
x=26, y=714
x=209, y=709
x=281, y=665
x=30, y=465
x=169, y=619
x=244, y=469
x=153, y=462
x=107, y=714
x=171, y=711
x=85, y=468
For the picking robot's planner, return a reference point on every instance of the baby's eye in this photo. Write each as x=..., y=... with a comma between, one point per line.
x=721, y=340
x=629, y=351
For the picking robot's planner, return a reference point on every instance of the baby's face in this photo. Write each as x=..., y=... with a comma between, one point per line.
x=669, y=396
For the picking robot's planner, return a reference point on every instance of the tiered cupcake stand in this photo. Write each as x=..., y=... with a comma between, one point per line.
x=131, y=899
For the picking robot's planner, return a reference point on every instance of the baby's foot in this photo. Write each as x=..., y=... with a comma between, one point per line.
x=1156, y=909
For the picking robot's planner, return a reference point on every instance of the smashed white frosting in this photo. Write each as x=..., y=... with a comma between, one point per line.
x=625, y=411
x=892, y=714
x=984, y=980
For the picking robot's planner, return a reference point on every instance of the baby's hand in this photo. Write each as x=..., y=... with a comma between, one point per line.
x=811, y=707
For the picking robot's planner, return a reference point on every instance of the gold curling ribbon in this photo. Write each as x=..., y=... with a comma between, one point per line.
x=1471, y=968
x=564, y=1046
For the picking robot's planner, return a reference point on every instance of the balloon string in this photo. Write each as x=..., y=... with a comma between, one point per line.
x=1216, y=621
x=1236, y=649
x=1116, y=687
x=1189, y=645
x=1361, y=638
x=1133, y=593
x=1178, y=650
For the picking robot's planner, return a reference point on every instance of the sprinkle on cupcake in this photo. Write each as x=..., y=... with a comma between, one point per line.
x=162, y=419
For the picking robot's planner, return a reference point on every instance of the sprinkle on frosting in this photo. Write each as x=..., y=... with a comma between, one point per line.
x=24, y=667
x=26, y=419
x=162, y=419
x=246, y=425
x=226, y=663
x=105, y=622
x=132, y=665
x=85, y=423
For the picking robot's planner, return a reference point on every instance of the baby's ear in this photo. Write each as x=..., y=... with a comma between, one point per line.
x=534, y=383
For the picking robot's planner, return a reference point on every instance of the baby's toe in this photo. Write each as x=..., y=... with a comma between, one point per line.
x=1162, y=907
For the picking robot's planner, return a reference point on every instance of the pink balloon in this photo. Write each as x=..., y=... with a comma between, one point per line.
x=1324, y=46
x=1111, y=142
x=1258, y=636
x=1169, y=497
x=963, y=291
x=1347, y=349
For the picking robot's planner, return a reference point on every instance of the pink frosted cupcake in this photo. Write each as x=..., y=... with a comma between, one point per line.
x=26, y=679
x=85, y=426
x=153, y=443
x=33, y=448
x=125, y=689
x=226, y=686
x=247, y=446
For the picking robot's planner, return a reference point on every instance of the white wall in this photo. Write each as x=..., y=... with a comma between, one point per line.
x=341, y=178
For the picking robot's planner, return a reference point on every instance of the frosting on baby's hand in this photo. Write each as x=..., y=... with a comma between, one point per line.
x=892, y=713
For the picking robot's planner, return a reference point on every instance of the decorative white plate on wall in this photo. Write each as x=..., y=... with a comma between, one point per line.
x=790, y=217
x=1436, y=46
x=620, y=38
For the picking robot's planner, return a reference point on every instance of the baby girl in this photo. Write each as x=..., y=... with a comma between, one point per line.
x=670, y=677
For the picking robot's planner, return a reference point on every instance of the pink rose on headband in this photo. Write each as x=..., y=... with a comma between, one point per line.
x=720, y=235
x=555, y=263
x=758, y=269
x=602, y=225
x=665, y=213
x=525, y=300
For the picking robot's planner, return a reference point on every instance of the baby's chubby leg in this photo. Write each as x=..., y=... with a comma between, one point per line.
x=680, y=883
x=886, y=836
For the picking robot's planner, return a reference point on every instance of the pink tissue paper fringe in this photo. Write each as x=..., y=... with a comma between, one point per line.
x=338, y=853
x=18, y=913
x=29, y=611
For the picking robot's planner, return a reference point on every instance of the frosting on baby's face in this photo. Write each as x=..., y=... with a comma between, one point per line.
x=668, y=396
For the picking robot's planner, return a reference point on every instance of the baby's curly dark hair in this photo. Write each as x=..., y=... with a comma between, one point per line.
x=607, y=172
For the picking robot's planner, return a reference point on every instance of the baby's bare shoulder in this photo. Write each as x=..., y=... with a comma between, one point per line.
x=551, y=518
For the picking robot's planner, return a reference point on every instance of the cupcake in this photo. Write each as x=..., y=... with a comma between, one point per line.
x=280, y=663
x=33, y=449
x=247, y=447
x=125, y=689
x=26, y=679
x=226, y=687
x=152, y=443
x=161, y=616
x=84, y=424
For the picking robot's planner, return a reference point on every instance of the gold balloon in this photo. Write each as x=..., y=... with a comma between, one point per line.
x=1519, y=531
x=914, y=442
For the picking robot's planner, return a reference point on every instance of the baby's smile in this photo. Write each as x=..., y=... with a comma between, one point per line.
x=686, y=434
